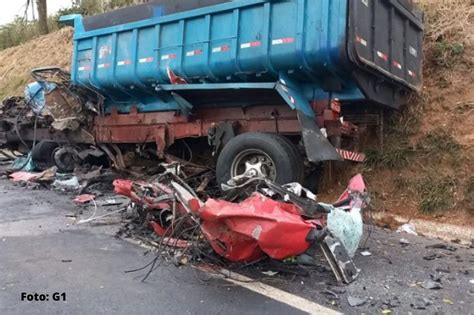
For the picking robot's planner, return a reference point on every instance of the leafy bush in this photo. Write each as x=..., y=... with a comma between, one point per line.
x=20, y=31
x=445, y=54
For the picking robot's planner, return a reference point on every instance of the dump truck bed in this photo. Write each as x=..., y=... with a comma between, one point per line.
x=366, y=49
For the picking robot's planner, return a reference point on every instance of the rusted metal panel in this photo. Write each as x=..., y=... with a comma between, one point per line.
x=163, y=128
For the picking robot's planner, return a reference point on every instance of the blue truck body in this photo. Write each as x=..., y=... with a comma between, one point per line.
x=304, y=50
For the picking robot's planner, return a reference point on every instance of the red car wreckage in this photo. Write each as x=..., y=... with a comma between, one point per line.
x=280, y=222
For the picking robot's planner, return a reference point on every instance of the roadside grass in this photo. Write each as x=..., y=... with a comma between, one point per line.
x=417, y=167
x=469, y=195
x=439, y=143
x=436, y=193
x=394, y=157
x=447, y=54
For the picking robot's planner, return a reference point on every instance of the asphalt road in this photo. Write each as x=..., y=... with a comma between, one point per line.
x=42, y=251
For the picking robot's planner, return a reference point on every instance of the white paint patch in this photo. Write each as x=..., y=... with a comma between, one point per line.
x=168, y=57
x=145, y=60
x=413, y=51
x=381, y=55
x=220, y=49
x=361, y=41
x=193, y=53
x=251, y=45
x=283, y=41
x=123, y=62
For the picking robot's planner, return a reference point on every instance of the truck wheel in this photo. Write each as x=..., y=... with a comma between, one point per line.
x=260, y=154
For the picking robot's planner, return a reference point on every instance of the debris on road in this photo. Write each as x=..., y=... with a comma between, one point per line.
x=7, y=156
x=270, y=273
x=436, y=277
x=433, y=256
x=392, y=302
x=262, y=220
x=431, y=285
x=442, y=246
x=71, y=184
x=404, y=242
x=84, y=198
x=94, y=217
x=448, y=301
x=407, y=228
x=421, y=303
x=45, y=176
x=356, y=301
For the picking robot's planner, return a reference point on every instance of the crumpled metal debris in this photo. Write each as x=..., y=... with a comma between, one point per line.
x=23, y=176
x=273, y=221
x=52, y=95
x=248, y=230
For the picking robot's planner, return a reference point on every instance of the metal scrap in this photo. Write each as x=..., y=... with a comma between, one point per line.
x=442, y=246
x=283, y=225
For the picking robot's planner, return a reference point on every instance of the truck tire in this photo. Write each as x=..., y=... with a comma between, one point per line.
x=261, y=154
x=42, y=154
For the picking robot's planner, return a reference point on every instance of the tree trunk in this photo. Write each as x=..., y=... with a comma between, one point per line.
x=42, y=16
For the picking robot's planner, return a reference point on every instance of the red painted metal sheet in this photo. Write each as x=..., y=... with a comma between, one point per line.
x=256, y=227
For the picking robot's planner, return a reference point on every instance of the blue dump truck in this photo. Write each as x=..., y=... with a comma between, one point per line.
x=266, y=81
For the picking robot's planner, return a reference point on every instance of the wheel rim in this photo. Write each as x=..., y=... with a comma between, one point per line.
x=253, y=163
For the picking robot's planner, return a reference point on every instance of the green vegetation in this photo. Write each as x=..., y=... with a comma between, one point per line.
x=439, y=142
x=20, y=31
x=446, y=54
x=436, y=193
x=392, y=158
x=469, y=195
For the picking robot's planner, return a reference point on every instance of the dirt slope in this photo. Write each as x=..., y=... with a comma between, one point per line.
x=426, y=168
x=16, y=63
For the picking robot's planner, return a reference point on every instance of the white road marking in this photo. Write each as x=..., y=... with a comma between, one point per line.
x=273, y=293
x=292, y=300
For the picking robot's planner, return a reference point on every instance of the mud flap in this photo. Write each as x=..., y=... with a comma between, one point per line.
x=341, y=264
x=318, y=148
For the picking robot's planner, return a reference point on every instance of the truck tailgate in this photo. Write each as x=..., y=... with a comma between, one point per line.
x=386, y=38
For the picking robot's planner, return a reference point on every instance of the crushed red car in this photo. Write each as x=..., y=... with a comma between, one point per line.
x=275, y=221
